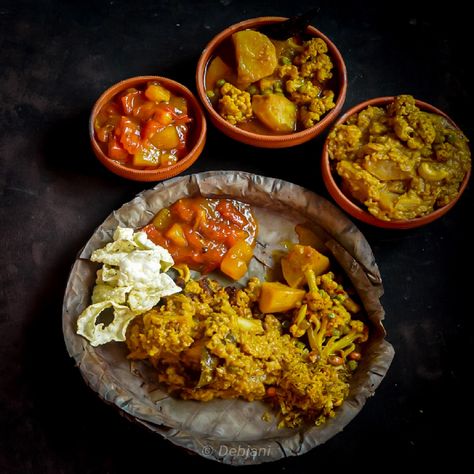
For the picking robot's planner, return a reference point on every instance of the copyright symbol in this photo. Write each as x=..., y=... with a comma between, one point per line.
x=207, y=450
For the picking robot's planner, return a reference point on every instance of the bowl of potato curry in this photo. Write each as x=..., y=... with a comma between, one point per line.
x=271, y=93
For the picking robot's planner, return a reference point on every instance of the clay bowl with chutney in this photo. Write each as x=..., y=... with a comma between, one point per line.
x=147, y=128
x=379, y=185
x=271, y=93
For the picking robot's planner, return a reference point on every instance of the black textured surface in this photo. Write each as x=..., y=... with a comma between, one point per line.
x=56, y=58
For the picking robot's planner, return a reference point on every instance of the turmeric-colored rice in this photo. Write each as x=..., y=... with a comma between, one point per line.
x=399, y=161
x=211, y=342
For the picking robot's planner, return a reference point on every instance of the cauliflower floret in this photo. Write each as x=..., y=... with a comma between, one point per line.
x=319, y=69
x=235, y=104
x=318, y=106
x=302, y=92
x=368, y=116
x=344, y=141
x=411, y=126
x=312, y=48
x=327, y=283
x=444, y=151
x=288, y=70
x=402, y=105
x=292, y=85
x=308, y=118
x=360, y=327
x=313, y=62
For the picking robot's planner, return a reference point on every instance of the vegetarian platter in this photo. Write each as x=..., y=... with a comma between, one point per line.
x=263, y=333
x=239, y=315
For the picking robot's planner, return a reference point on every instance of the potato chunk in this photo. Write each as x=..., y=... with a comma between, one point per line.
x=216, y=70
x=275, y=297
x=299, y=260
x=276, y=111
x=255, y=55
x=166, y=138
x=385, y=170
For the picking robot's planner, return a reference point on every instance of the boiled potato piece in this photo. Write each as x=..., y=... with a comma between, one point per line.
x=275, y=111
x=255, y=54
x=275, y=297
x=166, y=138
x=387, y=200
x=307, y=237
x=299, y=260
x=356, y=181
x=147, y=156
x=410, y=202
x=176, y=234
x=385, y=170
x=216, y=70
x=157, y=93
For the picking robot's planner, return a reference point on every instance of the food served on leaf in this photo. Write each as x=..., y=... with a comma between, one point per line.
x=288, y=216
x=132, y=280
x=144, y=127
x=293, y=343
x=399, y=161
x=271, y=86
x=212, y=342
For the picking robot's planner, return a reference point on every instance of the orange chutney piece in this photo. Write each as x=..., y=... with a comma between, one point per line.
x=207, y=234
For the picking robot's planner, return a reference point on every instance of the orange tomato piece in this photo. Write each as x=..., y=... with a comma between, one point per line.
x=194, y=238
x=213, y=258
x=150, y=128
x=228, y=211
x=115, y=151
x=235, y=235
x=131, y=101
x=182, y=120
x=103, y=133
x=144, y=111
x=111, y=109
x=155, y=235
x=129, y=132
x=163, y=114
x=183, y=210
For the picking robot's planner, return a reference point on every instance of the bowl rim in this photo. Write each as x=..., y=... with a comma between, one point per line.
x=159, y=173
x=357, y=211
x=252, y=137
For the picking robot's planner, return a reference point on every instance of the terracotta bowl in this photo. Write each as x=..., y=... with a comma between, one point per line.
x=357, y=210
x=261, y=140
x=196, y=138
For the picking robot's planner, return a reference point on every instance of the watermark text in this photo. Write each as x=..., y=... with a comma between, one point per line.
x=237, y=451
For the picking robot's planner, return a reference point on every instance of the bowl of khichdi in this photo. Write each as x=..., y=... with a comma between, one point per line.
x=396, y=162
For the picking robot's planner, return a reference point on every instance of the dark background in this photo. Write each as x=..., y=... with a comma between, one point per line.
x=55, y=60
